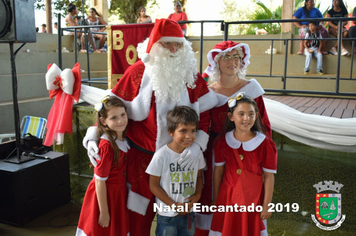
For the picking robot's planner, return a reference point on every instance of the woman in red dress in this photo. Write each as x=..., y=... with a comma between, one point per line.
x=228, y=61
x=104, y=210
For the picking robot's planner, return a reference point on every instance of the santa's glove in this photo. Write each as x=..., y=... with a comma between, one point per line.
x=189, y=156
x=90, y=143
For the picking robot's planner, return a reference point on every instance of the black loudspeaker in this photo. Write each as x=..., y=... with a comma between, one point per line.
x=32, y=188
x=17, y=21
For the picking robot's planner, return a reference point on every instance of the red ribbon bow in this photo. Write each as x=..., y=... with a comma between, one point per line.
x=65, y=86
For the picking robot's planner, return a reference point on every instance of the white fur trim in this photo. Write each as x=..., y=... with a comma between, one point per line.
x=80, y=232
x=214, y=233
x=247, y=146
x=219, y=51
x=145, y=58
x=269, y=170
x=100, y=178
x=90, y=136
x=171, y=39
x=137, y=203
x=208, y=101
x=252, y=90
x=203, y=221
x=202, y=139
x=219, y=163
x=139, y=108
x=264, y=232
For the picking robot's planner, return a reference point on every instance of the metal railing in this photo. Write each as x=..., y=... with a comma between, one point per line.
x=226, y=36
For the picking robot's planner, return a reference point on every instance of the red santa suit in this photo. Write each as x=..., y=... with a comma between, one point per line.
x=147, y=130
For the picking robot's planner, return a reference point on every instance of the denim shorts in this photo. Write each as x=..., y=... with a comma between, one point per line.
x=176, y=226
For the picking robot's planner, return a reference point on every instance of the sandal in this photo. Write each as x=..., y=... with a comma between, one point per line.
x=300, y=53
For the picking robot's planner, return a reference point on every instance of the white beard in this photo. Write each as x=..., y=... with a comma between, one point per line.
x=170, y=73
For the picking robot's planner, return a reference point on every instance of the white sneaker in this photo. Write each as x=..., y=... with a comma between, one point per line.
x=344, y=52
x=333, y=51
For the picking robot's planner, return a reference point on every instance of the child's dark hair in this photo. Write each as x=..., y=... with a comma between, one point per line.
x=181, y=115
x=94, y=10
x=71, y=7
x=258, y=125
x=108, y=103
x=316, y=23
x=139, y=10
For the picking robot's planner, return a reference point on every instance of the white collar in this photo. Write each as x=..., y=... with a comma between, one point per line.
x=250, y=145
x=123, y=145
x=253, y=89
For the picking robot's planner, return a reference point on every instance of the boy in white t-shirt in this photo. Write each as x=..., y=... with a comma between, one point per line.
x=176, y=188
x=312, y=44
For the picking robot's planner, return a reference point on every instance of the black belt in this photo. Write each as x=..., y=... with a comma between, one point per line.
x=141, y=149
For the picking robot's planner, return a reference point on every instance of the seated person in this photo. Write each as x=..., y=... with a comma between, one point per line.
x=309, y=11
x=338, y=9
x=94, y=20
x=352, y=29
x=142, y=17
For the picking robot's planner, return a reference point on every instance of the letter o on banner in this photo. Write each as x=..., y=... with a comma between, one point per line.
x=132, y=49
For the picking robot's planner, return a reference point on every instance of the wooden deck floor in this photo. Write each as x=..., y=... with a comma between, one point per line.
x=332, y=107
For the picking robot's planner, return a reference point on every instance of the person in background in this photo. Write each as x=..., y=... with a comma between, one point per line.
x=71, y=19
x=104, y=210
x=185, y=188
x=179, y=15
x=55, y=25
x=43, y=28
x=338, y=9
x=352, y=29
x=142, y=17
x=309, y=11
x=312, y=44
x=95, y=19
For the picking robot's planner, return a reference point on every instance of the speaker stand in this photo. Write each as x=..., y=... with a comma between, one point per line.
x=19, y=158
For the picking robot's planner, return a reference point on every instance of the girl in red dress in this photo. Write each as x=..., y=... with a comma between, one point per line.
x=104, y=210
x=228, y=63
x=244, y=156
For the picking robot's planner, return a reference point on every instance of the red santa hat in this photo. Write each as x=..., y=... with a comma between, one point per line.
x=164, y=30
x=223, y=47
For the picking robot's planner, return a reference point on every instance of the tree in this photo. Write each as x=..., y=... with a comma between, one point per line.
x=266, y=14
x=128, y=10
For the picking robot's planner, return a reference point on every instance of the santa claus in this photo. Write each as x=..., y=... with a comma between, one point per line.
x=166, y=77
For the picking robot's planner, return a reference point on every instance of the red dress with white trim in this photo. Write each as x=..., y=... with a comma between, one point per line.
x=115, y=176
x=258, y=154
x=218, y=117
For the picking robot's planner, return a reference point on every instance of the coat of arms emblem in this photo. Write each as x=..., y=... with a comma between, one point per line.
x=328, y=206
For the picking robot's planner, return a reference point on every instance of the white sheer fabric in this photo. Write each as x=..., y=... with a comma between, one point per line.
x=317, y=131
x=313, y=130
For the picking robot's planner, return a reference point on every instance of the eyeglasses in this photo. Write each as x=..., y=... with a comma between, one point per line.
x=227, y=58
x=172, y=44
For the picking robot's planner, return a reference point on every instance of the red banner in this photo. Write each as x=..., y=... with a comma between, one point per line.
x=122, y=43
